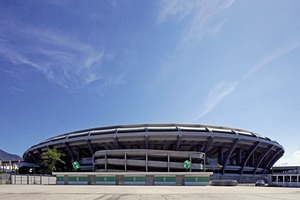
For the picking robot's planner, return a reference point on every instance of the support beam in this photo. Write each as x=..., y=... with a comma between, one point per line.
x=274, y=158
x=220, y=154
x=146, y=161
x=88, y=142
x=116, y=143
x=39, y=151
x=70, y=151
x=228, y=154
x=146, y=141
x=212, y=151
x=179, y=140
x=248, y=155
x=238, y=156
x=208, y=143
x=262, y=156
x=32, y=157
x=125, y=160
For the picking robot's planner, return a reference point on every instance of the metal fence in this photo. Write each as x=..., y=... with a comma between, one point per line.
x=33, y=179
x=5, y=179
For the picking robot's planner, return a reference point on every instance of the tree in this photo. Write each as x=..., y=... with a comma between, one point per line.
x=50, y=159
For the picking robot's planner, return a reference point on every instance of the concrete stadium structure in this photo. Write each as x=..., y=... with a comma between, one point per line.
x=163, y=148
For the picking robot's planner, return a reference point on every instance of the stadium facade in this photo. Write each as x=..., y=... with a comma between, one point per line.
x=163, y=148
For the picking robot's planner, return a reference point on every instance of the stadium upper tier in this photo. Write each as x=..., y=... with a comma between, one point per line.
x=237, y=151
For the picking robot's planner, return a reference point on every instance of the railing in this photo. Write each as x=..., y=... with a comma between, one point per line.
x=4, y=179
x=22, y=179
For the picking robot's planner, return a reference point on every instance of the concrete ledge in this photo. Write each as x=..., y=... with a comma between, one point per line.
x=224, y=183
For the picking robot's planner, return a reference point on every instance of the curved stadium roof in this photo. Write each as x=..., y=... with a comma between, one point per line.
x=239, y=151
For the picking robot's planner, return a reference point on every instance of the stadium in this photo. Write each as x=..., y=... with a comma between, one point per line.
x=229, y=152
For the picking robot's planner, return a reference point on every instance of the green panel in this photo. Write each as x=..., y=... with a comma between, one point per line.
x=165, y=179
x=129, y=179
x=196, y=179
x=140, y=179
x=170, y=179
x=82, y=178
x=60, y=178
x=190, y=179
x=99, y=179
x=134, y=179
x=72, y=178
x=203, y=179
x=111, y=179
x=158, y=179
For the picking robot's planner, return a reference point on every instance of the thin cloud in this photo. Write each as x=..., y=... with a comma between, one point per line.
x=177, y=8
x=61, y=59
x=17, y=89
x=215, y=96
x=202, y=15
x=221, y=90
x=273, y=56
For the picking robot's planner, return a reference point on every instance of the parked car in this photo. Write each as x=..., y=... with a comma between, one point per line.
x=260, y=183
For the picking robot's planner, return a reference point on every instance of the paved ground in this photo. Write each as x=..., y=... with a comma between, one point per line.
x=72, y=192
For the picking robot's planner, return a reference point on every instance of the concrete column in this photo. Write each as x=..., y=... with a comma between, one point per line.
x=146, y=161
x=168, y=162
x=149, y=180
x=125, y=160
x=66, y=180
x=220, y=155
x=91, y=179
x=252, y=160
x=191, y=162
x=105, y=164
x=238, y=156
x=119, y=179
x=180, y=180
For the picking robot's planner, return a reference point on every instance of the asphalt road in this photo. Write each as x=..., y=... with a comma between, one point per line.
x=73, y=192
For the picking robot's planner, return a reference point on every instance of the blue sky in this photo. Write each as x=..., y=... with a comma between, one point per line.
x=70, y=65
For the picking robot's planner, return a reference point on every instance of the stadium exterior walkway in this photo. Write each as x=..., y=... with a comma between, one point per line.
x=63, y=192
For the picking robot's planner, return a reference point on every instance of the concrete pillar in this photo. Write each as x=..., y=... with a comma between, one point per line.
x=119, y=179
x=180, y=179
x=220, y=154
x=125, y=160
x=105, y=164
x=66, y=180
x=149, y=180
x=91, y=179
x=146, y=161
x=191, y=162
x=168, y=162
x=251, y=160
x=238, y=156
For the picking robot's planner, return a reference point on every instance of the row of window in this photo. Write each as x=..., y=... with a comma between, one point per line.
x=285, y=178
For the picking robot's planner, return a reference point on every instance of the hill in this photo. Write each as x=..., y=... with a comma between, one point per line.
x=7, y=156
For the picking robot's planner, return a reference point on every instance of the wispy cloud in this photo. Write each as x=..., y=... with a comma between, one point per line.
x=223, y=89
x=177, y=8
x=17, y=89
x=60, y=58
x=215, y=96
x=201, y=14
x=273, y=56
